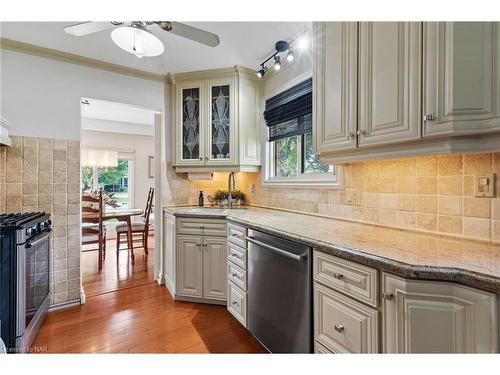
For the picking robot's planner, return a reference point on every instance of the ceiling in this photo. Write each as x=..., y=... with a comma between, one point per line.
x=103, y=110
x=241, y=43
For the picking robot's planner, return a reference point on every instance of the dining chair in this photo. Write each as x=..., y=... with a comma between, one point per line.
x=93, y=229
x=140, y=229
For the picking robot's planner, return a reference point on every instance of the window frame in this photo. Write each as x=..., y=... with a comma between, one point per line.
x=331, y=179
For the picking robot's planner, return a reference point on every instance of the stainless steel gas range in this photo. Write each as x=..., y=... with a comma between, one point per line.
x=24, y=277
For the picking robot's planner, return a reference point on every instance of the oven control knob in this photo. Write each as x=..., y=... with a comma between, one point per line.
x=45, y=224
x=31, y=231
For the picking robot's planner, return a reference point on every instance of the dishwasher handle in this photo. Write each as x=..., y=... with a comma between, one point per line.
x=275, y=249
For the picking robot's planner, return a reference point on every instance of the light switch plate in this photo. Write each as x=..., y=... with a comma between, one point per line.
x=484, y=185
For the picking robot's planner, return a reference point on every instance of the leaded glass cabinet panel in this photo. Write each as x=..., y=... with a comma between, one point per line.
x=191, y=131
x=220, y=143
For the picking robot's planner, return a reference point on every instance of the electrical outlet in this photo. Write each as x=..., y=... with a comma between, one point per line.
x=484, y=185
x=353, y=197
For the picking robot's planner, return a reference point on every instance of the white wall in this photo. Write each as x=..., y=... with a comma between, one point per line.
x=41, y=96
x=143, y=147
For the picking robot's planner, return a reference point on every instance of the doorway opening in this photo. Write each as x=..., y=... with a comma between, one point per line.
x=118, y=143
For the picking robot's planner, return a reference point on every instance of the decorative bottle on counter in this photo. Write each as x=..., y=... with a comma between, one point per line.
x=200, y=199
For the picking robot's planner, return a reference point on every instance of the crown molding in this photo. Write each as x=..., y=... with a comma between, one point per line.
x=32, y=49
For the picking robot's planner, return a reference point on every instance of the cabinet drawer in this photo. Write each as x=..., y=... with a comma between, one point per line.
x=237, y=303
x=237, y=255
x=354, y=279
x=342, y=324
x=237, y=275
x=321, y=349
x=236, y=234
x=203, y=227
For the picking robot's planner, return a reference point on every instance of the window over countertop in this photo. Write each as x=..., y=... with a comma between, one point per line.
x=290, y=159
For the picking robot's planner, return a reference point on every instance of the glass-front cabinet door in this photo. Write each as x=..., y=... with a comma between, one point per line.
x=221, y=134
x=190, y=133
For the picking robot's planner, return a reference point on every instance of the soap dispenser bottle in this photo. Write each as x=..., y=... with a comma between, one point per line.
x=200, y=199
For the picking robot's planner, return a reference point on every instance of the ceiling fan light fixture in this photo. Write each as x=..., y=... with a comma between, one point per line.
x=137, y=40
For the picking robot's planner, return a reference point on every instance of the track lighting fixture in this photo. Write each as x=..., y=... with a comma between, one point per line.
x=261, y=71
x=282, y=47
x=277, y=62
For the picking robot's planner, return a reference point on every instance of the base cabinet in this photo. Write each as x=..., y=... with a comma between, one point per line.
x=201, y=260
x=189, y=266
x=214, y=268
x=437, y=317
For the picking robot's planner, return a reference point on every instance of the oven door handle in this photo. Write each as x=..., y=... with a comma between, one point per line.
x=38, y=239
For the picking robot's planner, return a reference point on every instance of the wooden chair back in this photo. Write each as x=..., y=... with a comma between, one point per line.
x=99, y=209
x=149, y=207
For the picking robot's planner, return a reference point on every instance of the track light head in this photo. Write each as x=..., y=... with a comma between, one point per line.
x=277, y=63
x=261, y=72
x=281, y=46
x=290, y=56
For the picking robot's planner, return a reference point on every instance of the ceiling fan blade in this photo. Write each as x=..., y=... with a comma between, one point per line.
x=193, y=33
x=86, y=28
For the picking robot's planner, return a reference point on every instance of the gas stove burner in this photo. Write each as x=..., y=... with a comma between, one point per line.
x=20, y=219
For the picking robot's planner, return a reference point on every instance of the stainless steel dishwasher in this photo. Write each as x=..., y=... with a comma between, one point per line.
x=279, y=293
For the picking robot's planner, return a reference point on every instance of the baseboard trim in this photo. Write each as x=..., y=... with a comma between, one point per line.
x=200, y=300
x=64, y=305
x=170, y=287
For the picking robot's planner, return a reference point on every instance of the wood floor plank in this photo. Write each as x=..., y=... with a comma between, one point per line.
x=144, y=319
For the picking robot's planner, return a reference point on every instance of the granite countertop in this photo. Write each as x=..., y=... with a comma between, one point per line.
x=402, y=252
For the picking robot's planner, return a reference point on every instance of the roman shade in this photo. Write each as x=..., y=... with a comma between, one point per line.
x=290, y=112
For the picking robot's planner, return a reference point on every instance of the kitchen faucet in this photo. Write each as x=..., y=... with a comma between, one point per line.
x=230, y=186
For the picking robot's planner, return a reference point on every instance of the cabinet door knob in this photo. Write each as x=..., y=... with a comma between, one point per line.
x=429, y=117
x=206, y=157
x=351, y=134
x=388, y=296
x=201, y=158
x=338, y=276
x=339, y=328
x=361, y=132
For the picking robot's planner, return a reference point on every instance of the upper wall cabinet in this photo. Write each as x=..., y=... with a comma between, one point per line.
x=390, y=56
x=461, y=78
x=216, y=120
x=335, y=85
x=396, y=89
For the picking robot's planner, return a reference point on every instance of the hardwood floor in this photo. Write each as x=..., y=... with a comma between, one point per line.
x=117, y=272
x=144, y=319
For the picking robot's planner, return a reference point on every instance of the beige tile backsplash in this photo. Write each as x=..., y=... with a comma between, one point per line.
x=428, y=193
x=431, y=193
x=43, y=174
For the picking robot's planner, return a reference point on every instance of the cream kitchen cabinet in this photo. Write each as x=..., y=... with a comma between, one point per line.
x=390, y=59
x=214, y=268
x=335, y=85
x=437, y=317
x=461, y=78
x=189, y=266
x=397, y=89
x=216, y=120
x=169, y=239
x=201, y=260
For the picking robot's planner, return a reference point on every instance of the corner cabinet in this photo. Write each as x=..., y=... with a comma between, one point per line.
x=396, y=89
x=437, y=317
x=216, y=120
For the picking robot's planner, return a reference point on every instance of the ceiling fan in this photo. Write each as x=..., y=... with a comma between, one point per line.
x=134, y=36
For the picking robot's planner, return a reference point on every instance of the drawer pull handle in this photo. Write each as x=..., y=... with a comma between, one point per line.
x=235, y=255
x=235, y=235
x=338, y=276
x=202, y=227
x=235, y=275
x=339, y=328
x=235, y=303
x=388, y=296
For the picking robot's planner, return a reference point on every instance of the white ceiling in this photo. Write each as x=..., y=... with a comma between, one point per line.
x=103, y=110
x=242, y=43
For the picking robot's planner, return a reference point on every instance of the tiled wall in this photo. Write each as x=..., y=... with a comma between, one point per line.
x=427, y=193
x=43, y=174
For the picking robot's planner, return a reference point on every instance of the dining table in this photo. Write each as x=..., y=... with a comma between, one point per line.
x=120, y=215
